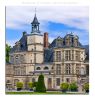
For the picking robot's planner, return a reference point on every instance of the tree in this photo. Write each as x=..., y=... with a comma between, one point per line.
x=19, y=85
x=8, y=48
x=35, y=84
x=86, y=87
x=73, y=86
x=30, y=85
x=41, y=85
x=64, y=87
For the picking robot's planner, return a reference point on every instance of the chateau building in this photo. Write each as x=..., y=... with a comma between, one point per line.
x=63, y=60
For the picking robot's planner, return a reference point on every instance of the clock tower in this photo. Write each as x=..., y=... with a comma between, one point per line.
x=35, y=42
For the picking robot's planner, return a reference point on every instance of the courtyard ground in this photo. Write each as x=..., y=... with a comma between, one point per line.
x=48, y=92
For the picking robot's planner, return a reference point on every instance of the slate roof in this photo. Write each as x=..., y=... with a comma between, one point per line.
x=35, y=20
x=48, y=55
x=21, y=45
x=54, y=44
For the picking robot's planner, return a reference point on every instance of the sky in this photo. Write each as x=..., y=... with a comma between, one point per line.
x=56, y=20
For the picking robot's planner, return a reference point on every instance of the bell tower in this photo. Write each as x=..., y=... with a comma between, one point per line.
x=35, y=24
x=35, y=43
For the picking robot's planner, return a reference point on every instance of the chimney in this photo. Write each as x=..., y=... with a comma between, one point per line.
x=24, y=33
x=46, y=40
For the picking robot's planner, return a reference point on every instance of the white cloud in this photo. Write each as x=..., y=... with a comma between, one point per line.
x=73, y=16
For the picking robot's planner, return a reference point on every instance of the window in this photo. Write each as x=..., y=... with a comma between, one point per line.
x=8, y=81
x=33, y=79
x=11, y=59
x=46, y=68
x=77, y=70
x=31, y=61
x=52, y=68
x=67, y=80
x=82, y=71
x=23, y=71
x=59, y=42
x=38, y=68
x=72, y=54
x=58, y=81
x=67, y=55
x=75, y=42
x=58, y=55
x=68, y=69
x=17, y=59
x=58, y=69
x=68, y=41
x=22, y=59
x=77, y=55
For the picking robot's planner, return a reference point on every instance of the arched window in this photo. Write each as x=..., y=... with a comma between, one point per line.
x=38, y=68
x=33, y=79
x=52, y=68
x=68, y=69
x=46, y=68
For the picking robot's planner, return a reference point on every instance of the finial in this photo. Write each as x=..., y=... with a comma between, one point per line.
x=71, y=33
x=35, y=11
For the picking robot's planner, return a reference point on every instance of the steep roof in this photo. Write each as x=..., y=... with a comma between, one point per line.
x=62, y=43
x=48, y=55
x=20, y=45
x=35, y=20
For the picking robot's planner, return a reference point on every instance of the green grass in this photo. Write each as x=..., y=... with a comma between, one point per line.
x=36, y=93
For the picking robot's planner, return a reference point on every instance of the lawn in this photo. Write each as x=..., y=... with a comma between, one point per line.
x=36, y=93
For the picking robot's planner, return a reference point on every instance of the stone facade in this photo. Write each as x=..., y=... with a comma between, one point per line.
x=61, y=61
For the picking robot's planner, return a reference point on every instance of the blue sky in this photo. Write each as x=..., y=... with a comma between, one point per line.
x=57, y=21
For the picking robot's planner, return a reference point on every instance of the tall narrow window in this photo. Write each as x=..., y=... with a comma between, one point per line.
x=77, y=70
x=58, y=69
x=77, y=55
x=58, y=81
x=72, y=54
x=67, y=55
x=58, y=55
x=67, y=69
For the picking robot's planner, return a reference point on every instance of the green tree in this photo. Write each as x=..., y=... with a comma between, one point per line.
x=41, y=85
x=30, y=85
x=35, y=84
x=19, y=85
x=8, y=48
x=64, y=87
x=86, y=87
x=73, y=86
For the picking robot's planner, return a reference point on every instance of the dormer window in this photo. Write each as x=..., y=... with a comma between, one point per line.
x=68, y=41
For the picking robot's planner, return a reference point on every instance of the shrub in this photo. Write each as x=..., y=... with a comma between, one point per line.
x=30, y=85
x=86, y=87
x=40, y=85
x=73, y=86
x=19, y=85
x=64, y=87
x=34, y=84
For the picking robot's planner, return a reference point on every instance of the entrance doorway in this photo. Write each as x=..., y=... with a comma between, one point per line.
x=49, y=83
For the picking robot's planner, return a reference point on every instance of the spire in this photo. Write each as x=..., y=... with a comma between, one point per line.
x=35, y=24
x=35, y=20
x=35, y=11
